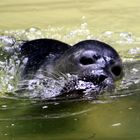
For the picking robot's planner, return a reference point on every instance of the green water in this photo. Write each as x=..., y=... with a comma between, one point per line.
x=101, y=15
x=113, y=21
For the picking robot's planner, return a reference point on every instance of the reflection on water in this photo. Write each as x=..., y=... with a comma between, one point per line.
x=73, y=120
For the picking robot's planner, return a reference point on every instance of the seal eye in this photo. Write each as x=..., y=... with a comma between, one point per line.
x=86, y=60
x=116, y=70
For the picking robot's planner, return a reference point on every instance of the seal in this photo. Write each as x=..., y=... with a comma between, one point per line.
x=95, y=63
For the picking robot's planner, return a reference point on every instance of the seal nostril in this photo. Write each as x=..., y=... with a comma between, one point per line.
x=102, y=78
x=116, y=70
x=86, y=60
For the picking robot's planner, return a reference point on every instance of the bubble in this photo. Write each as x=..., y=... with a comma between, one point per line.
x=33, y=33
x=116, y=124
x=4, y=106
x=45, y=107
x=6, y=41
x=118, y=37
x=134, y=70
x=134, y=51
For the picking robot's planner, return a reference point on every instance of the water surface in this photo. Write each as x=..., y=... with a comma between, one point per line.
x=111, y=117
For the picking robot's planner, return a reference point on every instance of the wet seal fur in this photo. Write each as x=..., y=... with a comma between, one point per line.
x=95, y=63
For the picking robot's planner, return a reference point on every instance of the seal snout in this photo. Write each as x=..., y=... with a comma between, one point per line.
x=98, y=64
x=94, y=67
x=97, y=77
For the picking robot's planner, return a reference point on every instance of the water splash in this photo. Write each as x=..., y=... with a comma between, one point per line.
x=119, y=37
x=10, y=40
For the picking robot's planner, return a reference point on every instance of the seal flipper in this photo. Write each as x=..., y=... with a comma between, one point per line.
x=40, y=50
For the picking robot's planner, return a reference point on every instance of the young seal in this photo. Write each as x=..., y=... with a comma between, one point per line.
x=93, y=63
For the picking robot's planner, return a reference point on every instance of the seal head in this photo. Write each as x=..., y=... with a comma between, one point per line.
x=90, y=56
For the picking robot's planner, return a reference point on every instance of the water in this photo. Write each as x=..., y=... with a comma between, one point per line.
x=115, y=116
